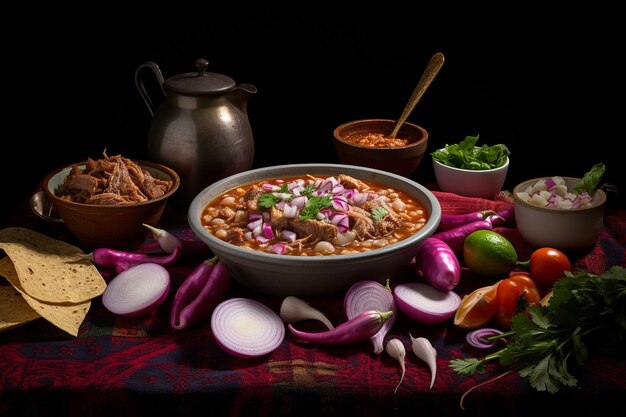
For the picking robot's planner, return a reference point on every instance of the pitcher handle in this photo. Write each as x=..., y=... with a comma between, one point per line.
x=142, y=89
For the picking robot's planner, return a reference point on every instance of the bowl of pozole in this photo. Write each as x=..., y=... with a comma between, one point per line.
x=314, y=229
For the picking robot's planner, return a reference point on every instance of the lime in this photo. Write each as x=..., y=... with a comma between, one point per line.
x=489, y=254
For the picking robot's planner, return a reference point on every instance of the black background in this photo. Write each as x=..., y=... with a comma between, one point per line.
x=548, y=86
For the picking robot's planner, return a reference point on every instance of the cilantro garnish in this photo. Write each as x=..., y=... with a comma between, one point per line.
x=590, y=181
x=267, y=200
x=466, y=155
x=308, y=190
x=313, y=206
x=379, y=213
x=585, y=312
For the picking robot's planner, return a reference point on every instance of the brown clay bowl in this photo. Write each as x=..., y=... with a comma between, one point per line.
x=402, y=160
x=111, y=226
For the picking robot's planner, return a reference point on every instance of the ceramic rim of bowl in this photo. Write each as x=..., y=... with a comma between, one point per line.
x=416, y=143
x=149, y=166
x=428, y=229
x=503, y=166
x=522, y=185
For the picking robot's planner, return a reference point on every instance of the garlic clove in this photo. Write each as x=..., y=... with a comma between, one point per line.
x=395, y=349
x=424, y=350
x=294, y=309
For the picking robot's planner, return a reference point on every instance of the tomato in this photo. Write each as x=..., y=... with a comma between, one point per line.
x=547, y=266
x=514, y=295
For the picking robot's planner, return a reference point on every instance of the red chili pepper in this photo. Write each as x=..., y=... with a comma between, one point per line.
x=502, y=217
x=358, y=329
x=452, y=221
x=199, y=294
x=121, y=260
x=455, y=237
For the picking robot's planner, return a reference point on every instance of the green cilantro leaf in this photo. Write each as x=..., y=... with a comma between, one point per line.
x=267, y=200
x=467, y=155
x=314, y=205
x=308, y=190
x=585, y=311
x=379, y=213
x=590, y=181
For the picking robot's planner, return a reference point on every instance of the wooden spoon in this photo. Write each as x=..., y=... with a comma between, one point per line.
x=431, y=71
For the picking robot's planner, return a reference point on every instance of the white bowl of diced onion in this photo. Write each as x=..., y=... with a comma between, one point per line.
x=548, y=214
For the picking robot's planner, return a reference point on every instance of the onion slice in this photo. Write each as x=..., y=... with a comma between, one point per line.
x=479, y=338
x=371, y=295
x=137, y=291
x=426, y=304
x=246, y=328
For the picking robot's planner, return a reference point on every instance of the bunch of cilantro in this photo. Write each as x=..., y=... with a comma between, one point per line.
x=466, y=155
x=586, y=312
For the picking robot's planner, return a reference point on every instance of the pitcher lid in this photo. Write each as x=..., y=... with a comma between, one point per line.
x=200, y=83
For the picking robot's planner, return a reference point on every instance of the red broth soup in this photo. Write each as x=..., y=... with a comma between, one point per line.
x=314, y=216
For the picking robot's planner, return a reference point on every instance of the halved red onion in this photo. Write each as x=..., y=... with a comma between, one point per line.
x=246, y=328
x=137, y=291
x=424, y=303
x=371, y=295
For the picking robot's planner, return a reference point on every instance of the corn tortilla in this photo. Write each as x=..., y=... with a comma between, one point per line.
x=14, y=310
x=67, y=317
x=50, y=270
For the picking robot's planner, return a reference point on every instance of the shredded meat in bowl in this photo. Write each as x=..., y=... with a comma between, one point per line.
x=110, y=181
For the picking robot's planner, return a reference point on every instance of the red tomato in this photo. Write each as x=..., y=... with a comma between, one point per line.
x=514, y=295
x=547, y=266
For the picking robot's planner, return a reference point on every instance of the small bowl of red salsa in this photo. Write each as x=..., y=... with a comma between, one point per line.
x=367, y=143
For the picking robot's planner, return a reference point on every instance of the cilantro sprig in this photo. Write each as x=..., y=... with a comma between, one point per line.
x=586, y=312
x=466, y=155
x=379, y=213
x=591, y=180
x=313, y=206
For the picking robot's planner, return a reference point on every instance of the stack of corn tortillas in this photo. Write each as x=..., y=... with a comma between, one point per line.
x=48, y=279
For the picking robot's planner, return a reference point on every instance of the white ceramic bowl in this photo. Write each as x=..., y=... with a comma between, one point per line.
x=569, y=230
x=280, y=275
x=470, y=183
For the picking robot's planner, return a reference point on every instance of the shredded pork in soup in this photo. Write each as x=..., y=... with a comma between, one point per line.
x=314, y=216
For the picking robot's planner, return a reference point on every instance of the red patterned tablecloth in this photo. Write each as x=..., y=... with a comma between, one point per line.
x=131, y=367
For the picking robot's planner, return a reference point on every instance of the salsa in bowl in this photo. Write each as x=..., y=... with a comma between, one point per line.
x=314, y=229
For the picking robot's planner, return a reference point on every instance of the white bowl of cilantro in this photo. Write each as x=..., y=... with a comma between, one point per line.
x=565, y=213
x=469, y=170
